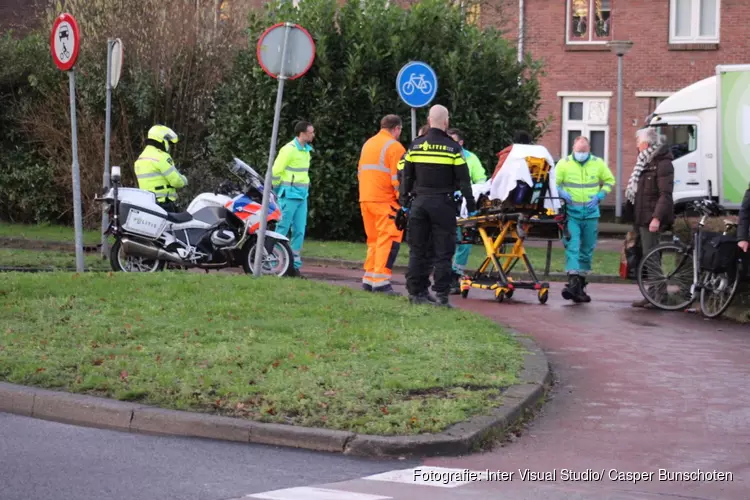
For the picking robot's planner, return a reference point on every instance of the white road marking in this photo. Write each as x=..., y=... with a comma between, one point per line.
x=307, y=493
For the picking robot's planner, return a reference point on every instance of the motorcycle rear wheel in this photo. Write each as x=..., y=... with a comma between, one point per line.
x=279, y=263
x=120, y=262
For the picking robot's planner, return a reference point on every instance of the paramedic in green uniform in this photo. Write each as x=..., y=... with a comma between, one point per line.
x=583, y=181
x=478, y=175
x=291, y=182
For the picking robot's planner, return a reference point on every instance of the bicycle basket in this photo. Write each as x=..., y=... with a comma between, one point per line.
x=718, y=252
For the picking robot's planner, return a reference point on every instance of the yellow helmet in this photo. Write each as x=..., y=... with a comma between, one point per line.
x=163, y=135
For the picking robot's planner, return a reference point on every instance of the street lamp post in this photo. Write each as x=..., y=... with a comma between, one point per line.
x=620, y=48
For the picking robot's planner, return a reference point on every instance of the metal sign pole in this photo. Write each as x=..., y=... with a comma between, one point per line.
x=107, y=127
x=259, y=245
x=618, y=195
x=413, y=124
x=77, y=215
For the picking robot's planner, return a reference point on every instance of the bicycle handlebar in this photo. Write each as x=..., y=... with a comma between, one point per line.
x=707, y=207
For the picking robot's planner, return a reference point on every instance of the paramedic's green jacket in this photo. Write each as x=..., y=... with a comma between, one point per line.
x=581, y=182
x=290, y=177
x=476, y=170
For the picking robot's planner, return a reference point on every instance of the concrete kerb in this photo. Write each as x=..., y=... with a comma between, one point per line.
x=461, y=438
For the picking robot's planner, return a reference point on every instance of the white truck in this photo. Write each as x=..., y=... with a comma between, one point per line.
x=707, y=125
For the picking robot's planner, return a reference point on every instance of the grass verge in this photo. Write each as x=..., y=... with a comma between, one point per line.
x=50, y=259
x=605, y=262
x=288, y=351
x=46, y=232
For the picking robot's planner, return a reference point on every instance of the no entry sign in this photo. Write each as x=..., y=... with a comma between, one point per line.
x=65, y=42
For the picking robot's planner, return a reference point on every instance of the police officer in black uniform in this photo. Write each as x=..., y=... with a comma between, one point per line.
x=433, y=169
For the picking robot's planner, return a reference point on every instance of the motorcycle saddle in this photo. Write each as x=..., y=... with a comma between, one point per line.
x=179, y=217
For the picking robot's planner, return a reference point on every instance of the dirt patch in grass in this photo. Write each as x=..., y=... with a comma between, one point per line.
x=273, y=350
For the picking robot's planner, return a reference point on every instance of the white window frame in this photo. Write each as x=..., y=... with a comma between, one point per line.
x=695, y=24
x=583, y=125
x=590, y=40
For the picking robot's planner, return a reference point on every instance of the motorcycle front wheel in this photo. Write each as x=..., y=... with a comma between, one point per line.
x=121, y=262
x=280, y=262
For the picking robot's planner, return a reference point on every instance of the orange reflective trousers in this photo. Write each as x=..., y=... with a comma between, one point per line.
x=383, y=242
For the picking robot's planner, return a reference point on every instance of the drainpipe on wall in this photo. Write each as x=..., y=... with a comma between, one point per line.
x=520, y=30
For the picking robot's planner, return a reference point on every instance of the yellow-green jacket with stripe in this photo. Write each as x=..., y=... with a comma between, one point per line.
x=582, y=182
x=290, y=177
x=156, y=172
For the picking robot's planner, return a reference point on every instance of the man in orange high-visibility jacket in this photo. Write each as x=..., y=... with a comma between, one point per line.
x=378, y=200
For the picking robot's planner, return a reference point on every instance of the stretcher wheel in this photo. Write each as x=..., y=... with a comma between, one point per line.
x=499, y=295
x=464, y=293
x=543, y=295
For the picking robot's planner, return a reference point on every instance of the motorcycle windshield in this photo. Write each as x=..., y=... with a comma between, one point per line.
x=254, y=177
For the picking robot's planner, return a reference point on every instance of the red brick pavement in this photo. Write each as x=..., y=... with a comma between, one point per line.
x=637, y=390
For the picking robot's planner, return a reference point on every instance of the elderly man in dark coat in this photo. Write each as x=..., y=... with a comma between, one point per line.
x=650, y=190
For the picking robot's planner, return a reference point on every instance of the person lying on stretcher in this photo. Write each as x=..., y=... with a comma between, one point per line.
x=514, y=169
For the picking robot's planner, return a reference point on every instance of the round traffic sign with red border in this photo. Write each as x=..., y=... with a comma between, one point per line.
x=65, y=41
x=300, y=52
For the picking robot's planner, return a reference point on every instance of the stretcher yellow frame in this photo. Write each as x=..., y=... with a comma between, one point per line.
x=514, y=226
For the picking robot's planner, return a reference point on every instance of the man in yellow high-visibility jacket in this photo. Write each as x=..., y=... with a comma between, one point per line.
x=583, y=181
x=155, y=169
x=291, y=181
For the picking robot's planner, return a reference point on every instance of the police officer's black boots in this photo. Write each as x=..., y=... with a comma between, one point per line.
x=456, y=284
x=422, y=298
x=443, y=301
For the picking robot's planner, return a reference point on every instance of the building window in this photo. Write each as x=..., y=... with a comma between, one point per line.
x=589, y=21
x=694, y=21
x=588, y=117
x=470, y=9
x=654, y=98
x=473, y=12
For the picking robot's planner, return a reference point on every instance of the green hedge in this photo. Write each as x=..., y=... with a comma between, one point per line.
x=360, y=48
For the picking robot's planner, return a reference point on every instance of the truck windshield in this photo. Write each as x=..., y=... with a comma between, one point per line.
x=683, y=139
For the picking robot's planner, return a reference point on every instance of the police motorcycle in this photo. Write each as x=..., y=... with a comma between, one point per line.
x=218, y=230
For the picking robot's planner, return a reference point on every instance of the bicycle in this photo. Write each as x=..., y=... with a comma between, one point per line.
x=709, y=283
x=418, y=83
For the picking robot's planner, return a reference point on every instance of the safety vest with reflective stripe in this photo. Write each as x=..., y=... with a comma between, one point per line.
x=476, y=170
x=583, y=182
x=290, y=177
x=378, y=168
x=156, y=172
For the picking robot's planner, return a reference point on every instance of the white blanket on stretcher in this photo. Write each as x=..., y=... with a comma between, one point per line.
x=516, y=169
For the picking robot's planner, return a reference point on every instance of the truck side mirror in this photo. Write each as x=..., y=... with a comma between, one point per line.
x=115, y=175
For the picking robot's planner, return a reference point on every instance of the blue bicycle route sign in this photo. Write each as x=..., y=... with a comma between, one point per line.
x=416, y=84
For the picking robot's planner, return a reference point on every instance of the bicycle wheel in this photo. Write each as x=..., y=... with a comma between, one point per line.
x=717, y=292
x=665, y=276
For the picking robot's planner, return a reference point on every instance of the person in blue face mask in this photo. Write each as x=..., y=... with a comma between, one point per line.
x=583, y=181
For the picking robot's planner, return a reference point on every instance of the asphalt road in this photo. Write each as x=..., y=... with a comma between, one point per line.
x=44, y=460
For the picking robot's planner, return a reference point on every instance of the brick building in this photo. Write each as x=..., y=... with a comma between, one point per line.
x=18, y=15
x=675, y=43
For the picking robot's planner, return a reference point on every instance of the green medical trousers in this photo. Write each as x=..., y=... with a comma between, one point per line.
x=294, y=217
x=461, y=258
x=579, y=248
